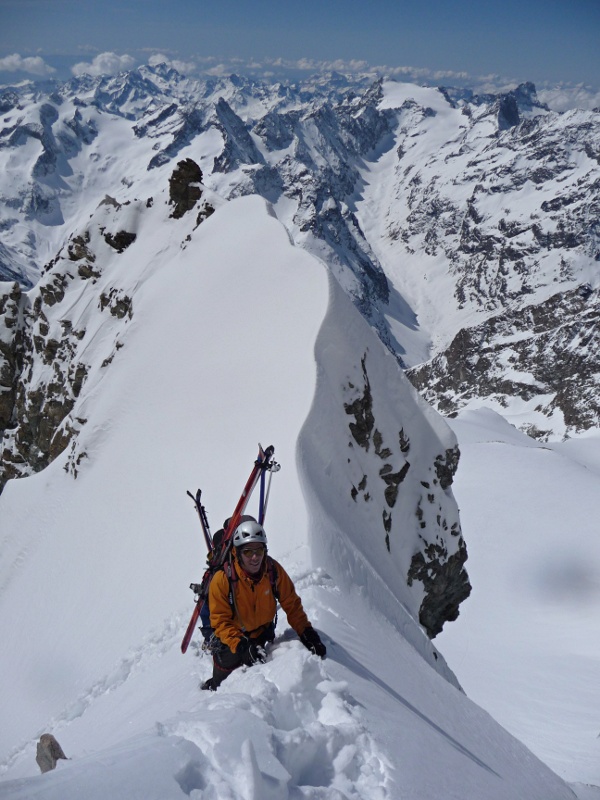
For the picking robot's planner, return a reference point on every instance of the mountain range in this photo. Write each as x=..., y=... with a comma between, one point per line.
x=450, y=219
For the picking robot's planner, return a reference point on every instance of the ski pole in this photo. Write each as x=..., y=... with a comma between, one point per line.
x=261, y=498
x=274, y=467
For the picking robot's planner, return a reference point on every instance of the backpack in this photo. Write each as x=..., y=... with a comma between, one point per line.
x=219, y=546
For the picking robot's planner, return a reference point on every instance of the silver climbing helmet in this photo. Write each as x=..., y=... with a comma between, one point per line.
x=247, y=532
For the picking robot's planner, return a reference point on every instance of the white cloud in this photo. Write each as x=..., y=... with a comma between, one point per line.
x=219, y=70
x=183, y=67
x=315, y=65
x=104, y=64
x=34, y=65
x=415, y=73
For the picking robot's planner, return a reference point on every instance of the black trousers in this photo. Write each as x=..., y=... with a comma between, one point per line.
x=225, y=662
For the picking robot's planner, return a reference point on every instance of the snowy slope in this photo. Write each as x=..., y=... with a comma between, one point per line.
x=218, y=354
x=526, y=643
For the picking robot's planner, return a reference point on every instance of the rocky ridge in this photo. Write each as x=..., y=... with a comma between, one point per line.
x=439, y=561
x=85, y=293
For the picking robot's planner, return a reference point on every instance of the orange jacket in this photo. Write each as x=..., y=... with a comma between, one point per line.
x=255, y=604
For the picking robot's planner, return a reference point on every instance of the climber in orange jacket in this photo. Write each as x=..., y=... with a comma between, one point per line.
x=243, y=607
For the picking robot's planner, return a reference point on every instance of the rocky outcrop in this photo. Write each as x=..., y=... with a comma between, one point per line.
x=48, y=752
x=445, y=582
x=120, y=241
x=185, y=187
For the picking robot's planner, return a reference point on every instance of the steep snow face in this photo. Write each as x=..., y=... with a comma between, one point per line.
x=384, y=487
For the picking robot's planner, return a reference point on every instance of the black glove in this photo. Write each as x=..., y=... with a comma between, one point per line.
x=312, y=641
x=250, y=652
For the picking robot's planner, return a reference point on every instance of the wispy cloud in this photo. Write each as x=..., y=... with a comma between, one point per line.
x=32, y=65
x=562, y=97
x=104, y=64
x=314, y=65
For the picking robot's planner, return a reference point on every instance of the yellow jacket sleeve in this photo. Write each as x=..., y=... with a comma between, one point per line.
x=227, y=626
x=290, y=601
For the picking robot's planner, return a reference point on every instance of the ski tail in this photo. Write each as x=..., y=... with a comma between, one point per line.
x=192, y=625
x=197, y=498
x=218, y=555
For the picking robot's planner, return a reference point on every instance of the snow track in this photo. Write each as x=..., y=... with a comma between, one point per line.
x=292, y=729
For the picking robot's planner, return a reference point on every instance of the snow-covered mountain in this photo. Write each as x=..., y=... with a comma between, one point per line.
x=177, y=255
x=451, y=219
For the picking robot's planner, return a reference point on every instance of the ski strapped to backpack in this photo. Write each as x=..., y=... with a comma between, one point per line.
x=219, y=546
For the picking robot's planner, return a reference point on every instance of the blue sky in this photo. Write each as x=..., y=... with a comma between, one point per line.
x=538, y=40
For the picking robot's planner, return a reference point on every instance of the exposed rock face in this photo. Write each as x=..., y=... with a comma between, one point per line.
x=184, y=187
x=551, y=352
x=446, y=585
x=438, y=565
x=239, y=148
x=45, y=379
x=12, y=311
